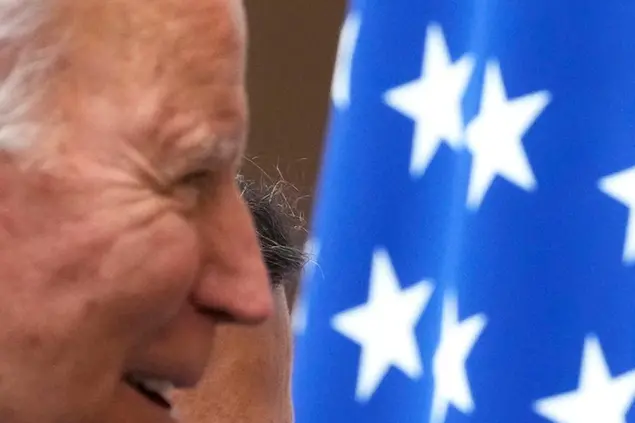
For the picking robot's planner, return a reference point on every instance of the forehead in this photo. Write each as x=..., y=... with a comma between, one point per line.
x=188, y=36
x=172, y=63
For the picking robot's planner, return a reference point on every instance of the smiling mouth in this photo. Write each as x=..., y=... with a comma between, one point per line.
x=154, y=390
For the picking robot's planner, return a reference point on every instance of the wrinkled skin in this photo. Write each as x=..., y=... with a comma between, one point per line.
x=123, y=239
x=248, y=380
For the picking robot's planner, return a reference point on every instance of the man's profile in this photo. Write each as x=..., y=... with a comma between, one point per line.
x=123, y=237
x=248, y=380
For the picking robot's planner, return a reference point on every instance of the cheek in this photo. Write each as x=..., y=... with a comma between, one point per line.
x=154, y=266
x=174, y=260
x=249, y=375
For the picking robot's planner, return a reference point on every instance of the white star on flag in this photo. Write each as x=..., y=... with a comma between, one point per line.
x=341, y=85
x=494, y=137
x=434, y=100
x=599, y=397
x=384, y=327
x=621, y=187
x=448, y=364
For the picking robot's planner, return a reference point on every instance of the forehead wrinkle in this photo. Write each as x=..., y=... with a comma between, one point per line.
x=165, y=36
x=120, y=50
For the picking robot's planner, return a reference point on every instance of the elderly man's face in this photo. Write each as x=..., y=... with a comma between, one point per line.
x=124, y=240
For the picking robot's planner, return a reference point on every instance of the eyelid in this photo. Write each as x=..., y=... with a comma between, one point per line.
x=191, y=168
x=195, y=176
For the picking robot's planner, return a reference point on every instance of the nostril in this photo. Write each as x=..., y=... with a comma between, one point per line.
x=249, y=311
x=218, y=316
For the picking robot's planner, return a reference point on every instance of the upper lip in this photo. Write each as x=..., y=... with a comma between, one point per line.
x=179, y=373
x=180, y=381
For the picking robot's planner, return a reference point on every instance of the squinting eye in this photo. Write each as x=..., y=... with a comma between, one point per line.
x=195, y=178
x=191, y=187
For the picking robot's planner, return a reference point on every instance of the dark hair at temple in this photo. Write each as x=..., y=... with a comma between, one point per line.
x=279, y=226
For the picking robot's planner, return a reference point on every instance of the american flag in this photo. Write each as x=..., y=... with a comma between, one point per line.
x=474, y=234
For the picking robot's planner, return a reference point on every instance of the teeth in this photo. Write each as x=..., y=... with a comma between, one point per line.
x=174, y=414
x=159, y=386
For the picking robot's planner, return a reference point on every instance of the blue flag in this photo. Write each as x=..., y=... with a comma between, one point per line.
x=474, y=233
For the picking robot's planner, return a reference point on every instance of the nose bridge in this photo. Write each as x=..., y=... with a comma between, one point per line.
x=234, y=278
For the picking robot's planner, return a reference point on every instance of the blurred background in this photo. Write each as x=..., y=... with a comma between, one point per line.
x=496, y=252
x=291, y=61
x=492, y=245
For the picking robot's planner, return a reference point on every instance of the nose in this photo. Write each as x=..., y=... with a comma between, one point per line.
x=234, y=279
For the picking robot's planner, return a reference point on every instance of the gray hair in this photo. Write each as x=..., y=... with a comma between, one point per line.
x=21, y=83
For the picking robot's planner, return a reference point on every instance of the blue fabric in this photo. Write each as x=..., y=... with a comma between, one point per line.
x=539, y=258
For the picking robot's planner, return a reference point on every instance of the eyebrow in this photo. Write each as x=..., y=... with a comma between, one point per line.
x=228, y=150
x=198, y=154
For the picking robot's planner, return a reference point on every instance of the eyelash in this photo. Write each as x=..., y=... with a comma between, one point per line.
x=191, y=188
x=195, y=178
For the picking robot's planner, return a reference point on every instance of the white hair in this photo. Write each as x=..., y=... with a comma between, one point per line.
x=21, y=85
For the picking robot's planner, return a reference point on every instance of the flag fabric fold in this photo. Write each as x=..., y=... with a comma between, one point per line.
x=474, y=228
